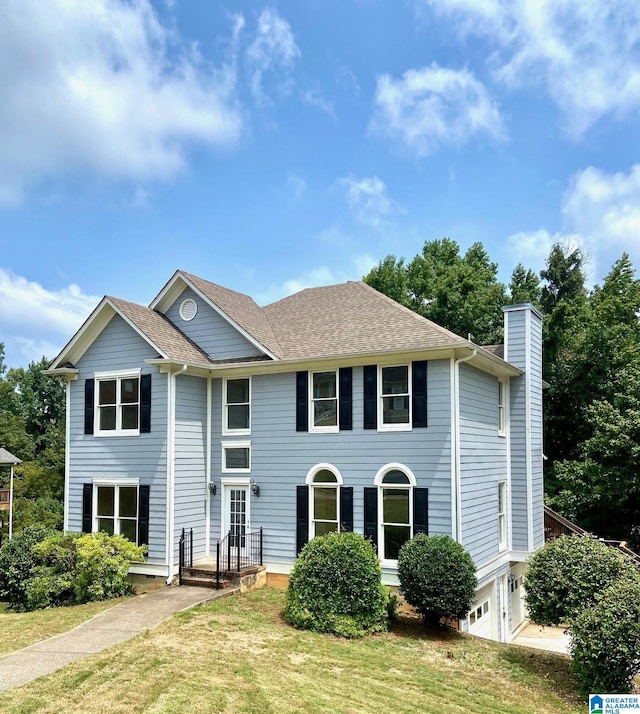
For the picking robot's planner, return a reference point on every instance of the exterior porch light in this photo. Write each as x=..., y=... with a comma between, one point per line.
x=255, y=489
x=212, y=488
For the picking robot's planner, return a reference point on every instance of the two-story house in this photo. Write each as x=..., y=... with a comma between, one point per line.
x=334, y=408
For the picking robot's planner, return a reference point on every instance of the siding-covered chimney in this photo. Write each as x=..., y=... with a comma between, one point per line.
x=523, y=349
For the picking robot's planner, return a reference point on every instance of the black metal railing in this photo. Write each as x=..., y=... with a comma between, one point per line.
x=186, y=552
x=237, y=551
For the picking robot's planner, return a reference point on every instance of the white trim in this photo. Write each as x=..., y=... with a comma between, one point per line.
x=117, y=377
x=115, y=481
x=320, y=467
x=503, y=544
x=207, y=474
x=158, y=569
x=113, y=374
x=310, y=399
x=455, y=443
x=394, y=466
x=171, y=472
x=182, y=309
x=234, y=432
x=67, y=456
x=235, y=445
x=508, y=465
x=502, y=423
x=454, y=448
x=226, y=484
x=116, y=484
x=405, y=426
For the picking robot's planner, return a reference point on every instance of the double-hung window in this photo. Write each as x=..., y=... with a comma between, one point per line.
x=117, y=404
x=394, y=389
x=502, y=413
x=502, y=515
x=116, y=510
x=323, y=401
x=237, y=406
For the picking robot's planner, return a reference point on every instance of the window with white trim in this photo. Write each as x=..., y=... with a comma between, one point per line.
x=116, y=510
x=395, y=508
x=236, y=457
x=502, y=515
x=117, y=407
x=323, y=401
x=324, y=503
x=237, y=406
x=394, y=396
x=502, y=409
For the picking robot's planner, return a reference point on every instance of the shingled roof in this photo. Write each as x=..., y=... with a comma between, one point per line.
x=161, y=332
x=348, y=319
x=241, y=309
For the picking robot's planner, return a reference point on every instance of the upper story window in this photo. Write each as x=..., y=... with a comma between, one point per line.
x=502, y=409
x=323, y=401
x=237, y=406
x=502, y=515
x=117, y=404
x=394, y=389
x=236, y=457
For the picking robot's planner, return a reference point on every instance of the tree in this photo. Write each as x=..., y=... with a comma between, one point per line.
x=389, y=277
x=437, y=576
x=524, y=286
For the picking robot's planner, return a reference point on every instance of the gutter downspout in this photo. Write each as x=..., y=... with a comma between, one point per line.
x=171, y=471
x=67, y=456
x=455, y=447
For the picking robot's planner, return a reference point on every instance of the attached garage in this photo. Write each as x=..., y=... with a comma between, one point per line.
x=516, y=595
x=482, y=616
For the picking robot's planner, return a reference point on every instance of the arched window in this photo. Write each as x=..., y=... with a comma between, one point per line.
x=324, y=500
x=395, y=509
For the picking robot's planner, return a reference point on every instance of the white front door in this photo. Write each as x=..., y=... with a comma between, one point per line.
x=236, y=519
x=517, y=605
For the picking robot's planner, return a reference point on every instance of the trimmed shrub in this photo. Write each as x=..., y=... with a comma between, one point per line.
x=335, y=586
x=17, y=562
x=437, y=576
x=605, y=641
x=565, y=576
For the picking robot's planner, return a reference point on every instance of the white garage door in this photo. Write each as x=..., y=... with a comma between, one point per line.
x=482, y=615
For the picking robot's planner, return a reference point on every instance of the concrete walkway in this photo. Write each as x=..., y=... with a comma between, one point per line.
x=551, y=639
x=118, y=624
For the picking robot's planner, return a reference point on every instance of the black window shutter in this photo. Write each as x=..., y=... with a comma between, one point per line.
x=371, y=514
x=302, y=517
x=346, y=508
x=143, y=515
x=145, y=404
x=346, y=391
x=302, y=401
x=87, y=507
x=419, y=392
x=370, y=376
x=421, y=511
x=89, y=390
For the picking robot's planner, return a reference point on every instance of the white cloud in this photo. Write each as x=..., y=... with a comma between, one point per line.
x=314, y=98
x=587, y=54
x=432, y=107
x=36, y=321
x=295, y=185
x=272, y=53
x=532, y=248
x=368, y=200
x=102, y=88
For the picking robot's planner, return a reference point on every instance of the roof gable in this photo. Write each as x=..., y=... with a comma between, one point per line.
x=238, y=309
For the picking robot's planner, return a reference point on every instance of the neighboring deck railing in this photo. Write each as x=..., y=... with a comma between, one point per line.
x=186, y=552
x=4, y=499
x=556, y=525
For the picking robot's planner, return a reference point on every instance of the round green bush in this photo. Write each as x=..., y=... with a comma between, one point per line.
x=565, y=576
x=605, y=641
x=335, y=586
x=437, y=576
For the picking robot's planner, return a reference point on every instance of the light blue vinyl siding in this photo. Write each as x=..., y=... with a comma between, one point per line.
x=190, y=461
x=483, y=463
x=282, y=457
x=119, y=347
x=210, y=331
x=535, y=396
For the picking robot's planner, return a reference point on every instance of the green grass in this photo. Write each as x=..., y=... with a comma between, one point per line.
x=21, y=629
x=237, y=655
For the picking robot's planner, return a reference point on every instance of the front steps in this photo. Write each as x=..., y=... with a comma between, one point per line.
x=204, y=575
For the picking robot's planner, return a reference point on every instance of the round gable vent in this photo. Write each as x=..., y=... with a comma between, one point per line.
x=188, y=309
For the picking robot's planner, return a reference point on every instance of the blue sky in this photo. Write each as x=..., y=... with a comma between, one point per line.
x=271, y=147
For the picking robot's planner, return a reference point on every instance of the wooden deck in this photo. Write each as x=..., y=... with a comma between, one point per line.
x=4, y=499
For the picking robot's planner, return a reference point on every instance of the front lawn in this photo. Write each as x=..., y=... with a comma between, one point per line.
x=237, y=655
x=20, y=629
